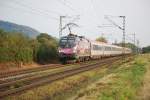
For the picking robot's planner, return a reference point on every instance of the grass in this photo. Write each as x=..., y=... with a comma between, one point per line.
x=126, y=85
x=120, y=82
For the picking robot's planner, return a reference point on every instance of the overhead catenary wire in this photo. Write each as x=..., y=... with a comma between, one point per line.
x=76, y=9
x=34, y=9
x=30, y=11
x=68, y=6
x=27, y=5
x=94, y=9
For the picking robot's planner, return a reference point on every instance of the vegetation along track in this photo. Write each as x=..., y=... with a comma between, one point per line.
x=18, y=86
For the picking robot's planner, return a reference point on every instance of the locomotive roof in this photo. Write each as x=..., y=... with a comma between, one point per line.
x=72, y=35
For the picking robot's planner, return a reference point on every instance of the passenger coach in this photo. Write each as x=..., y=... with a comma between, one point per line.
x=100, y=49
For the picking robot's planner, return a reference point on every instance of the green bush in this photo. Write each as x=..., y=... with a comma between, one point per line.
x=48, y=48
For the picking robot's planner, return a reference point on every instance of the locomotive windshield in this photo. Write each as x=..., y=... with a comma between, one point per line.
x=67, y=42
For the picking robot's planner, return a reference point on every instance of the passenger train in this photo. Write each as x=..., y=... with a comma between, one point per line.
x=78, y=48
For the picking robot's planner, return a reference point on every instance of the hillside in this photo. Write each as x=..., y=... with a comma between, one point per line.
x=12, y=27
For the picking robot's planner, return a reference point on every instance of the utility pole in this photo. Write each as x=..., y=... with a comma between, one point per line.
x=60, y=26
x=134, y=43
x=134, y=39
x=138, y=46
x=124, y=36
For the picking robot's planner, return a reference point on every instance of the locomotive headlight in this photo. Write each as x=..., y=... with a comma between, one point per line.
x=59, y=50
x=74, y=49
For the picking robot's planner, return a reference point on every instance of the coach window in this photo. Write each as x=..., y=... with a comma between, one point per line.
x=93, y=47
x=99, y=48
x=113, y=49
x=96, y=47
x=106, y=48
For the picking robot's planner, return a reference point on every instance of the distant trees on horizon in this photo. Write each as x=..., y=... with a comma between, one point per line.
x=146, y=49
x=101, y=39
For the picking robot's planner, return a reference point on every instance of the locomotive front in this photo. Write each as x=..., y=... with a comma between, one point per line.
x=67, y=48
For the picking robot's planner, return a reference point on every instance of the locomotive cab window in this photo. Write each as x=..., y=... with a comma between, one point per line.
x=67, y=42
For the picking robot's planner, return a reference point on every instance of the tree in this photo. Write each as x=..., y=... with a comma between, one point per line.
x=101, y=39
x=15, y=47
x=47, y=50
x=146, y=49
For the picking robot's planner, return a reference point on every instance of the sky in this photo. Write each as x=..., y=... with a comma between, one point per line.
x=43, y=15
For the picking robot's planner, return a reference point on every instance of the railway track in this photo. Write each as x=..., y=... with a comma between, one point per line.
x=4, y=75
x=17, y=86
x=32, y=75
x=17, y=75
x=17, y=72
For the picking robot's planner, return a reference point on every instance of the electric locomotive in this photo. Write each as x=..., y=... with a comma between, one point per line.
x=73, y=47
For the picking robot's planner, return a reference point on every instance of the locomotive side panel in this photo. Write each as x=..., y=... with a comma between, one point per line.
x=83, y=48
x=73, y=47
